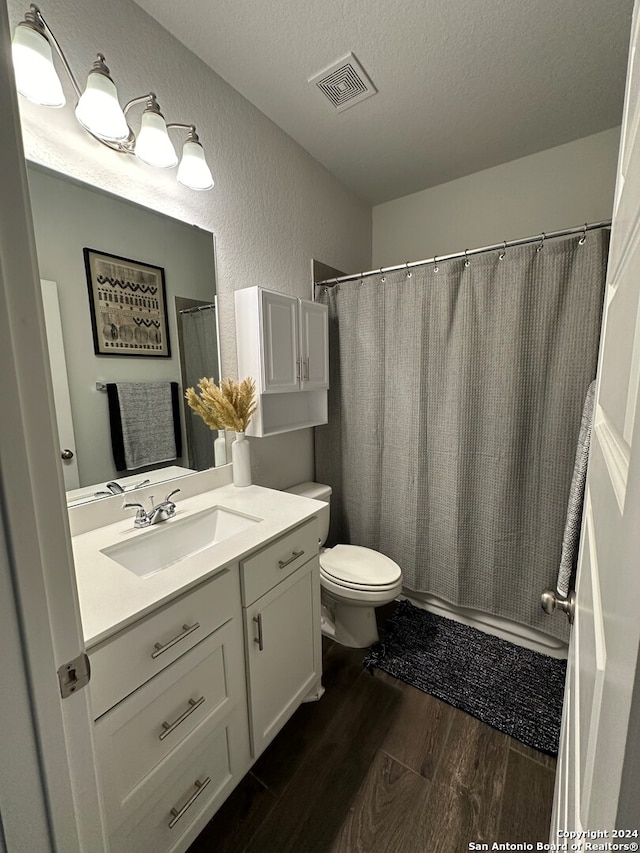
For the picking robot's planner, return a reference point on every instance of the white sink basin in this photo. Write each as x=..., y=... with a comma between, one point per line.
x=167, y=543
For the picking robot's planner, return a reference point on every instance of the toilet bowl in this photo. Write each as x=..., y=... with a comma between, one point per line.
x=353, y=581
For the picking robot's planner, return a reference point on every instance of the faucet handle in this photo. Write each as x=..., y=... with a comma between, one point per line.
x=132, y=505
x=141, y=519
x=139, y=485
x=171, y=494
x=141, y=511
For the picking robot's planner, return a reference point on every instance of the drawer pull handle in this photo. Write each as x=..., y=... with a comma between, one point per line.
x=259, y=639
x=176, y=814
x=167, y=728
x=284, y=563
x=186, y=630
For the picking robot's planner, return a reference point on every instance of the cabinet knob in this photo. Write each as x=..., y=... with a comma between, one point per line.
x=67, y=454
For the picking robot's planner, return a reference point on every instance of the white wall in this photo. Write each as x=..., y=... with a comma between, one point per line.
x=548, y=191
x=273, y=207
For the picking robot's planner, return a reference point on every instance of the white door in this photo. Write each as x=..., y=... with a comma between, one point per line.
x=60, y=380
x=279, y=315
x=604, y=644
x=314, y=345
x=36, y=547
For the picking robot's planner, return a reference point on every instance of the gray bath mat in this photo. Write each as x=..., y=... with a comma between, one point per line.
x=515, y=690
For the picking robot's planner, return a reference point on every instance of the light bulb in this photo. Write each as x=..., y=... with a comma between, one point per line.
x=36, y=77
x=98, y=109
x=193, y=171
x=153, y=145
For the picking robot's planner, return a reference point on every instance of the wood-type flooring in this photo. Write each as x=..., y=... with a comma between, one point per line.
x=377, y=766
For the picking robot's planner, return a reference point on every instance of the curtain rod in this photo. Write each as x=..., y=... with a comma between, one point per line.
x=506, y=244
x=197, y=308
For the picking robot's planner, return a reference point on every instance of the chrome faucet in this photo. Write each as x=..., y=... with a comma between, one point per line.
x=114, y=488
x=161, y=512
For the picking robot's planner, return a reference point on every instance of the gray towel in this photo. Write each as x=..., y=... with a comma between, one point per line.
x=571, y=537
x=146, y=414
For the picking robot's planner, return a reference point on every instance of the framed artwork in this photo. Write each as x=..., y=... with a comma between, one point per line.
x=128, y=304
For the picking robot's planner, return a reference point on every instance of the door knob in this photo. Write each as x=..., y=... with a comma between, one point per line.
x=549, y=601
x=67, y=454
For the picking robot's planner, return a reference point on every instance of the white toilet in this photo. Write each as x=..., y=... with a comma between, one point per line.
x=354, y=581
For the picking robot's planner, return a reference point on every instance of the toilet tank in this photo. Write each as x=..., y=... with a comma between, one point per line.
x=319, y=492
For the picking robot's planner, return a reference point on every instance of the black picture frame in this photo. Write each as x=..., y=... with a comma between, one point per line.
x=128, y=303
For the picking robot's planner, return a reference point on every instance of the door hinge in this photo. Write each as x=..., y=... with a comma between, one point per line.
x=74, y=675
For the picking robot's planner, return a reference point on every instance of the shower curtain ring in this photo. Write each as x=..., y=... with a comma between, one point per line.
x=408, y=270
x=467, y=262
x=435, y=263
x=361, y=279
x=383, y=278
x=502, y=254
x=540, y=245
x=583, y=239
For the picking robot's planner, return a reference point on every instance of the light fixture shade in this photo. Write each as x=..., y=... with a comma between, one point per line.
x=36, y=78
x=98, y=109
x=193, y=171
x=153, y=145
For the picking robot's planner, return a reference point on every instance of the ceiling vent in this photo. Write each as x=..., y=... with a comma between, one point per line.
x=345, y=83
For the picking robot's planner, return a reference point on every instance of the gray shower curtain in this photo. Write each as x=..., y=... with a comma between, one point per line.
x=200, y=358
x=454, y=412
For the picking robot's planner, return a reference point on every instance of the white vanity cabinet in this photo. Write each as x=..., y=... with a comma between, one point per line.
x=281, y=598
x=188, y=687
x=171, y=731
x=283, y=343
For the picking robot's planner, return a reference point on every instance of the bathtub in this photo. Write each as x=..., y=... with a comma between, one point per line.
x=499, y=627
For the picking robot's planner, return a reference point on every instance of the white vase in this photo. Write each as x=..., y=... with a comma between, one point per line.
x=241, y=458
x=220, y=449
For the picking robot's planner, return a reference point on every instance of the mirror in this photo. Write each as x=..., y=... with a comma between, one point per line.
x=68, y=217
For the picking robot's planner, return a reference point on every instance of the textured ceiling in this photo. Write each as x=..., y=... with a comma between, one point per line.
x=463, y=85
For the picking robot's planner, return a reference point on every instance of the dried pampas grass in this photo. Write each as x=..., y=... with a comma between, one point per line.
x=231, y=405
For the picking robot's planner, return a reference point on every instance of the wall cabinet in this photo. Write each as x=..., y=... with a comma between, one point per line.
x=283, y=343
x=186, y=698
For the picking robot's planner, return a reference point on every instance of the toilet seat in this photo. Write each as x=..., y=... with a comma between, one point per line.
x=357, y=568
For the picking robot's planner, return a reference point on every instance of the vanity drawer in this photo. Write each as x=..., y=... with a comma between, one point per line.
x=170, y=820
x=132, y=657
x=142, y=739
x=263, y=570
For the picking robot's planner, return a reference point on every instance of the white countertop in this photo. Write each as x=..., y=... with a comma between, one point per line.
x=112, y=597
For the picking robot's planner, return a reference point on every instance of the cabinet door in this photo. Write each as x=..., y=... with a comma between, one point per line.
x=280, y=342
x=283, y=651
x=314, y=345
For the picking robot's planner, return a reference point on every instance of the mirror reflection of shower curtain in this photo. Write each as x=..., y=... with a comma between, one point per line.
x=200, y=358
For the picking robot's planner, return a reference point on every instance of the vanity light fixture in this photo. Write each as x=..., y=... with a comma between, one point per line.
x=98, y=109
x=153, y=145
